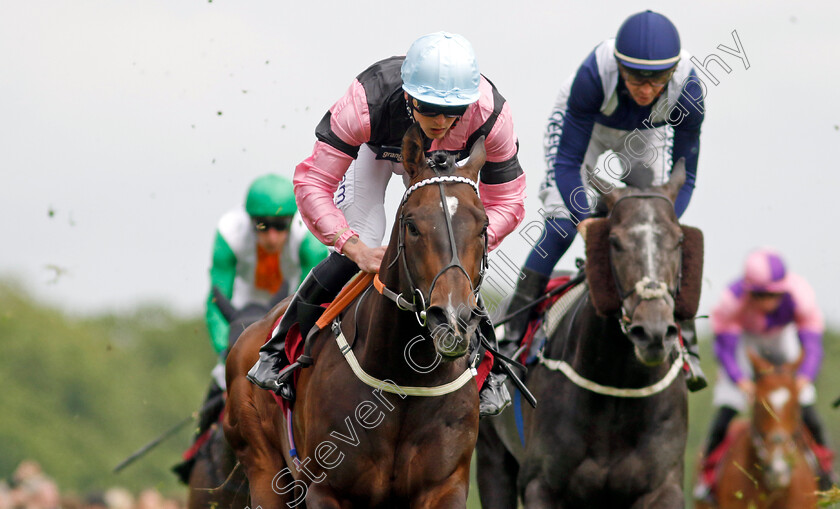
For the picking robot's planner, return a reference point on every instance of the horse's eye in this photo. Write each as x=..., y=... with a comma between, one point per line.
x=615, y=243
x=483, y=230
x=412, y=229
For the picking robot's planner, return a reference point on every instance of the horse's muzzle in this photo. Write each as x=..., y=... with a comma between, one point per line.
x=451, y=330
x=653, y=331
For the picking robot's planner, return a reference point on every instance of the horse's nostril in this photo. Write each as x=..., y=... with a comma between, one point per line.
x=638, y=332
x=672, y=332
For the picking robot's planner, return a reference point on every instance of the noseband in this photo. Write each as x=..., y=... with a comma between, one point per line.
x=419, y=302
x=646, y=288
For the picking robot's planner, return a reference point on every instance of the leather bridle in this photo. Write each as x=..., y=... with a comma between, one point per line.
x=646, y=289
x=419, y=302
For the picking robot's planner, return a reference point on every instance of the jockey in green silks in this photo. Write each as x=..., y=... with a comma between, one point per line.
x=259, y=248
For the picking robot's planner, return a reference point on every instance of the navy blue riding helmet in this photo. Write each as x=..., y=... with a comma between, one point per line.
x=647, y=42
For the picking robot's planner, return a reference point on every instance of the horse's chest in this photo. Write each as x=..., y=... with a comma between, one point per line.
x=630, y=472
x=386, y=457
x=621, y=451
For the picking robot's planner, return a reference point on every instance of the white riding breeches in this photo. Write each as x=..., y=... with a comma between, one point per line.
x=783, y=346
x=361, y=195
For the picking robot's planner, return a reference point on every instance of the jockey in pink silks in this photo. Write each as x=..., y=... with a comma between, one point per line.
x=774, y=312
x=340, y=188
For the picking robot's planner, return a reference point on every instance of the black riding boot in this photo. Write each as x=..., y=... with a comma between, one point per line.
x=527, y=290
x=717, y=431
x=494, y=395
x=321, y=285
x=695, y=380
x=815, y=426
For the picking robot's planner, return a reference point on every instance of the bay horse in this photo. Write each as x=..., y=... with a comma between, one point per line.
x=382, y=442
x=610, y=428
x=214, y=479
x=766, y=467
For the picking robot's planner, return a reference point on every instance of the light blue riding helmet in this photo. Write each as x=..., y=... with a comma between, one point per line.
x=441, y=69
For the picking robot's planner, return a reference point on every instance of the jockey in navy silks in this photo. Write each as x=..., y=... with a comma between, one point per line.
x=638, y=98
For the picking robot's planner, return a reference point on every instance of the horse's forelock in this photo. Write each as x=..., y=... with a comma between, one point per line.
x=442, y=162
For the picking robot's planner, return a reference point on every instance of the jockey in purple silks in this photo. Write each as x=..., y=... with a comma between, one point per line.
x=774, y=312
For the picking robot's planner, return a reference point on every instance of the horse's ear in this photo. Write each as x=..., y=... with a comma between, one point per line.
x=691, y=282
x=599, y=274
x=478, y=156
x=760, y=364
x=413, y=154
x=672, y=188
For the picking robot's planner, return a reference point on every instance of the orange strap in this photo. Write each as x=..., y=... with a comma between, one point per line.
x=379, y=285
x=345, y=297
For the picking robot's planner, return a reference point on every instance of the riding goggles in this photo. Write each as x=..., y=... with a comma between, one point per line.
x=657, y=81
x=763, y=294
x=433, y=110
x=279, y=223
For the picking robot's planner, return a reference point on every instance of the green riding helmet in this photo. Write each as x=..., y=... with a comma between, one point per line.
x=271, y=196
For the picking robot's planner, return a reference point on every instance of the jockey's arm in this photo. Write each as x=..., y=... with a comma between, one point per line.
x=342, y=130
x=502, y=180
x=726, y=343
x=727, y=332
x=687, y=137
x=222, y=275
x=812, y=349
x=584, y=103
x=367, y=258
x=810, y=326
x=316, y=179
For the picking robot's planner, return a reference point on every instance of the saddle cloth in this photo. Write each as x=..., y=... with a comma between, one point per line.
x=548, y=315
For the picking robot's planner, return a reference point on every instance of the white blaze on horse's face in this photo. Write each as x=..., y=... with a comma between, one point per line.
x=778, y=399
x=647, y=233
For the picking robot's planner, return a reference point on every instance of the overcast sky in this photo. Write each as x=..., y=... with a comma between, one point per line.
x=127, y=128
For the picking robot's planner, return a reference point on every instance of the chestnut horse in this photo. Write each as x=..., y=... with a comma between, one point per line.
x=214, y=479
x=766, y=465
x=373, y=434
x=610, y=429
